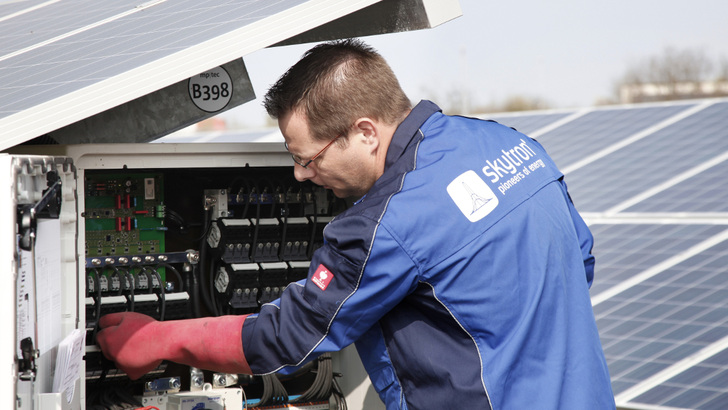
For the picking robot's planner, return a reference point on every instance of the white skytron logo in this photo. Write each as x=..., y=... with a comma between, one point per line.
x=472, y=195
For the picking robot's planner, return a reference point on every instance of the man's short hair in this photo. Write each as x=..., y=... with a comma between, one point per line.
x=336, y=83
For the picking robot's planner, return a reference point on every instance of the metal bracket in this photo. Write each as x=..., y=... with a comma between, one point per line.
x=27, y=366
x=49, y=206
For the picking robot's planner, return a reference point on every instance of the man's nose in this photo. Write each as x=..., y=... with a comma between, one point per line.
x=302, y=174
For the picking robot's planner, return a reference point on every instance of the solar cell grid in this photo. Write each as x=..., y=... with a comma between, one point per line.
x=689, y=398
x=53, y=20
x=11, y=7
x=699, y=387
x=116, y=46
x=717, y=380
x=705, y=192
x=601, y=128
x=664, y=319
x=651, y=160
x=624, y=250
x=718, y=403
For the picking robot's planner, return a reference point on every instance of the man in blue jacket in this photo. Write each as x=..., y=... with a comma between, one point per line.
x=462, y=271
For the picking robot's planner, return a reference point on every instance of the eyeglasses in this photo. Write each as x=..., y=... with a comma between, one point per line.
x=298, y=160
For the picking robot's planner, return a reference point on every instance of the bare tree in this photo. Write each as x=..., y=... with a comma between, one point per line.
x=671, y=75
x=675, y=66
x=523, y=103
x=723, y=70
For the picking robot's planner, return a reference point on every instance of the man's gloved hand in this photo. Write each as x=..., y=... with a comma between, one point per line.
x=138, y=343
x=132, y=341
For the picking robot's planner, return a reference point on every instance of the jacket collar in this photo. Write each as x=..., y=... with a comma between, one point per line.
x=408, y=130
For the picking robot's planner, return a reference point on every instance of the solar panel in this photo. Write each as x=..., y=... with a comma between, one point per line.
x=625, y=173
x=703, y=192
x=66, y=61
x=29, y=23
x=700, y=387
x=667, y=317
x=624, y=250
x=113, y=38
x=601, y=128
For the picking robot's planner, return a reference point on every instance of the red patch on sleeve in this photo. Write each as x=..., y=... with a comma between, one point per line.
x=322, y=277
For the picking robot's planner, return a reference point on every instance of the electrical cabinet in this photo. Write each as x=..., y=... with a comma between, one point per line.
x=170, y=230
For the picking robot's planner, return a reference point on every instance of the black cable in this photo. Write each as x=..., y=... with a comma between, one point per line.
x=150, y=282
x=213, y=299
x=132, y=285
x=97, y=302
x=206, y=226
x=202, y=265
x=320, y=389
x=328, y=380
x=175, y=272
x=195, y=291
x=267, y=395
x=339, y=396
x=162, y=297
x=247, y=202
x=279, y=393
x=173, y=216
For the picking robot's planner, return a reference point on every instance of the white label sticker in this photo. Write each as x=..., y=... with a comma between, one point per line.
x=212, y=90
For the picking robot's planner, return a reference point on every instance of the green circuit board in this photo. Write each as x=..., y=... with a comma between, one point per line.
x=124, y=214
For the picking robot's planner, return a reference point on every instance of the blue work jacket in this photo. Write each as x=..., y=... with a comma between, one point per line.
x=462, y=276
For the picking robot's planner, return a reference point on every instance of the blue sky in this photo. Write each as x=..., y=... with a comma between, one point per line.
x=569, y=53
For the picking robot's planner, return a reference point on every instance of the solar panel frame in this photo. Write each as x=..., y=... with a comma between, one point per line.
x=56, y=92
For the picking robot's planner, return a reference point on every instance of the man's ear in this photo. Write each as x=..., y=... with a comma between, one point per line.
x=369, y=132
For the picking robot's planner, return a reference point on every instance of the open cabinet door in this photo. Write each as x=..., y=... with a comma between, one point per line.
x=38, y=246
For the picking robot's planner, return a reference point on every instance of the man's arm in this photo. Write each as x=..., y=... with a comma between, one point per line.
x=138, y=343
x=586, y=239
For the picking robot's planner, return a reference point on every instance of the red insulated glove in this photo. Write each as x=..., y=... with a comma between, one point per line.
x=138, y=343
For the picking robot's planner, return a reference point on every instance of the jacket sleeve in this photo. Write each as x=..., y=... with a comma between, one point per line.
x=586, y=239
x=348, y=289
